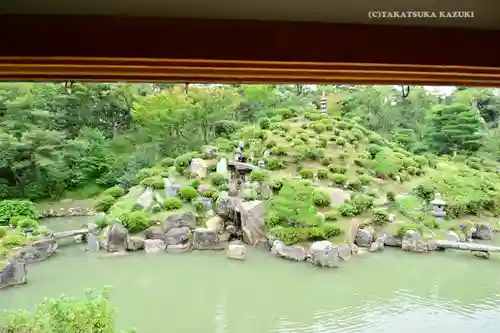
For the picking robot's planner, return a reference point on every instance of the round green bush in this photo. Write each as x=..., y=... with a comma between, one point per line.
x=264, y=123
x=137, y=221
x=347, y=210
x=155, y=182
x=306, y=173
x=195, y=183
x=321, y=199
x=115, y=192
x=104, y=203
x=331, y=215
x=380, y=217
x=322, y=173
x=156, y=208
x=338, y=178
x=172, y=203
x=188, y=193
x=198, y=206
x=27, y=223
x=274, y=163
x=217, y=179
x=167, y=162
x=354, y=185
x=102, y=221
x=3, y=230
x=258, y=175
x=341, y=141
x=148, y=172
x=318, y=127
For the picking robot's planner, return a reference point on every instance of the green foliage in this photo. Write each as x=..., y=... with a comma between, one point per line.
x=380, y=217
x=153, y=182
x=290, y=235
x=198, y=206
x=115, y=192
x=102, y=221
x=293, y=204
x=258, y=175
x=65, y=314
x=306, y=173
x=217, y=179
x=188, y=193
x=137, y=221
x=104, y=203
x=355, y=185
x=3, y=231
x=338, y=178
x=322, y=174
x=264, y=123
x=11, y=208
x=321, y=199
x=172, y=203
x=402, y=228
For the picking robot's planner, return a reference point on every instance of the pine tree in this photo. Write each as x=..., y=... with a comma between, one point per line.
x=453, y=128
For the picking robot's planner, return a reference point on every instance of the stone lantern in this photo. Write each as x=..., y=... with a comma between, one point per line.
x=438, y=206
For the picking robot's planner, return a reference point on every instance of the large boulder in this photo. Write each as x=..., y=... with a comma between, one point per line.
x=154, y=232
x=225, y=205
x=13, y=273
x=390, y=239
x=205, y=239
x=198, y=167
x=294, y=253
x=215, y=223
x=38, y=250
x=378, y=244
x=412, y=242
x=364, y=238
x=252, y=221
x=177, y=236
x=324, y=254
x=482, y=231
x=115, y=238
x=154, y=245
x=344, y=251
x=135, y=243
x=178, y=220
x=236, y=251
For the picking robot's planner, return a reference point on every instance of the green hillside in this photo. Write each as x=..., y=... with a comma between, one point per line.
x=317, y=162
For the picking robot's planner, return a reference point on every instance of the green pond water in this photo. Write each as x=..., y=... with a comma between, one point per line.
x=204, y=292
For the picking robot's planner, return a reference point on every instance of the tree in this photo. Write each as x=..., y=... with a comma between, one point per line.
x=452, y=129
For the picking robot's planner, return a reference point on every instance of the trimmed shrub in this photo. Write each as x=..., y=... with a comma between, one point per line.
x=306, y=174
x=188, y=193
x=172, y=203
x=104, y=203
x=217, y=179
x=115, y=192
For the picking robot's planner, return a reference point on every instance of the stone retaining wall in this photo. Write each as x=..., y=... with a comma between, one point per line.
x=66, y=212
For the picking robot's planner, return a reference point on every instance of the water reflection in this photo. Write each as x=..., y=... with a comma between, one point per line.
x=391, y=292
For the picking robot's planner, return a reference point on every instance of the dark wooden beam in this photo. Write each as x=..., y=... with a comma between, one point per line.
x=199, y=50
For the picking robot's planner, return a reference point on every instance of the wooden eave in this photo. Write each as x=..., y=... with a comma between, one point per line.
x=230, y=51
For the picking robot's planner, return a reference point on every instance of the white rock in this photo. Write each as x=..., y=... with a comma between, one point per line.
x=236, y=251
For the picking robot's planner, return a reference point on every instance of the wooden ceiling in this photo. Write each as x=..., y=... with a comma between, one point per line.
x=218, y=42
